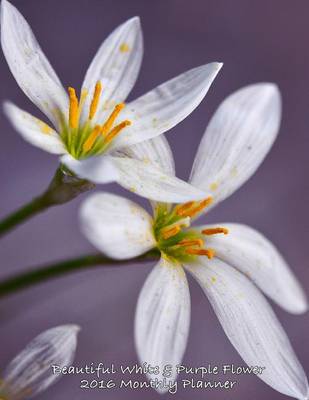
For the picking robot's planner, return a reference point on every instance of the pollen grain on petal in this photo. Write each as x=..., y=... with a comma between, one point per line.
x=214, y=186
x=95, y=100
x=124, y=47
x=215, y=231
x=44, y=129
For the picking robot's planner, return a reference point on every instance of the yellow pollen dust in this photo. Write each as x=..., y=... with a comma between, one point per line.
x=215, y=231
x=193, y=242
x=214, y=186
x=124, y=47
x=190, y=209
x=73, y=108
x=170, y=232
x=45, y=129
x=95, y=100
x=210, y=253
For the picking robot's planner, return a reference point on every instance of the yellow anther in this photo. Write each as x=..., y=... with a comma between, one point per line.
x=191, y=212
x=193, y=242
x=112, y=118
x=210, y=253
x=73, y=108
x=82, y=100
x=95, y=100
x=170, y=232
x=114, y=132
x=214, y=231
x=92, y=138
x=181, y=210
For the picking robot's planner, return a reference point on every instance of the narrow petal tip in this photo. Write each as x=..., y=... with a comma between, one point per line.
x=73, y=328
x=4, y=8
x=301, y=306
x=218, y=65
x=5, y=3
x=134, y=22
x=270, y=89
x=213, y=67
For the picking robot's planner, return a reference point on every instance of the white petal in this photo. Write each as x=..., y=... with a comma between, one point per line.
x=163, y=318
x=118, y=227
x=96, y=169
x=237, y=139
x=28, y=64
x=146, y=180
x=30, y=372
x=252, y=326
x=254, y=255
x=116, y=65
x=140, y=177
x=156, y=151
x=164, y=107
x=33, y=130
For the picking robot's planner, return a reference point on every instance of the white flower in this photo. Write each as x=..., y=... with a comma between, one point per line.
x=232, y=263
x=30, y=372
x=88, y=131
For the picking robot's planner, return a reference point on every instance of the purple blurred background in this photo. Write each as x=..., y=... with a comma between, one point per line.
x=257, y=40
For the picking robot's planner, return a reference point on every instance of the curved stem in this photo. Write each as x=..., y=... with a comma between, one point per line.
x=44, y=273
x=63, y=187
x=32, y=208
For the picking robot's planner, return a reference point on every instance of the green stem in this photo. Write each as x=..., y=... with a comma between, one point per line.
x=22, y=214
x=64, y=187
x=44, y=273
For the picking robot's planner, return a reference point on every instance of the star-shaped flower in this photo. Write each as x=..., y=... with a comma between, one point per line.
x=30, y=372
x=88, y=130
x=233, y=263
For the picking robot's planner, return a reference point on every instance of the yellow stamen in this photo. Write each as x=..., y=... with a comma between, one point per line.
x=73, y=108
x=92, y=138
x=180, y=210
x=210, y=253
x=82, y=100
x=112, y=118
x=200, y=207
x=214, y=231
x=170, y=232
x=95, y=100
x=114, y=132
x=193, y=242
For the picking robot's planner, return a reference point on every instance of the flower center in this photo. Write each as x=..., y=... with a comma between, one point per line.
x=174, y=235
x=88, y=139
